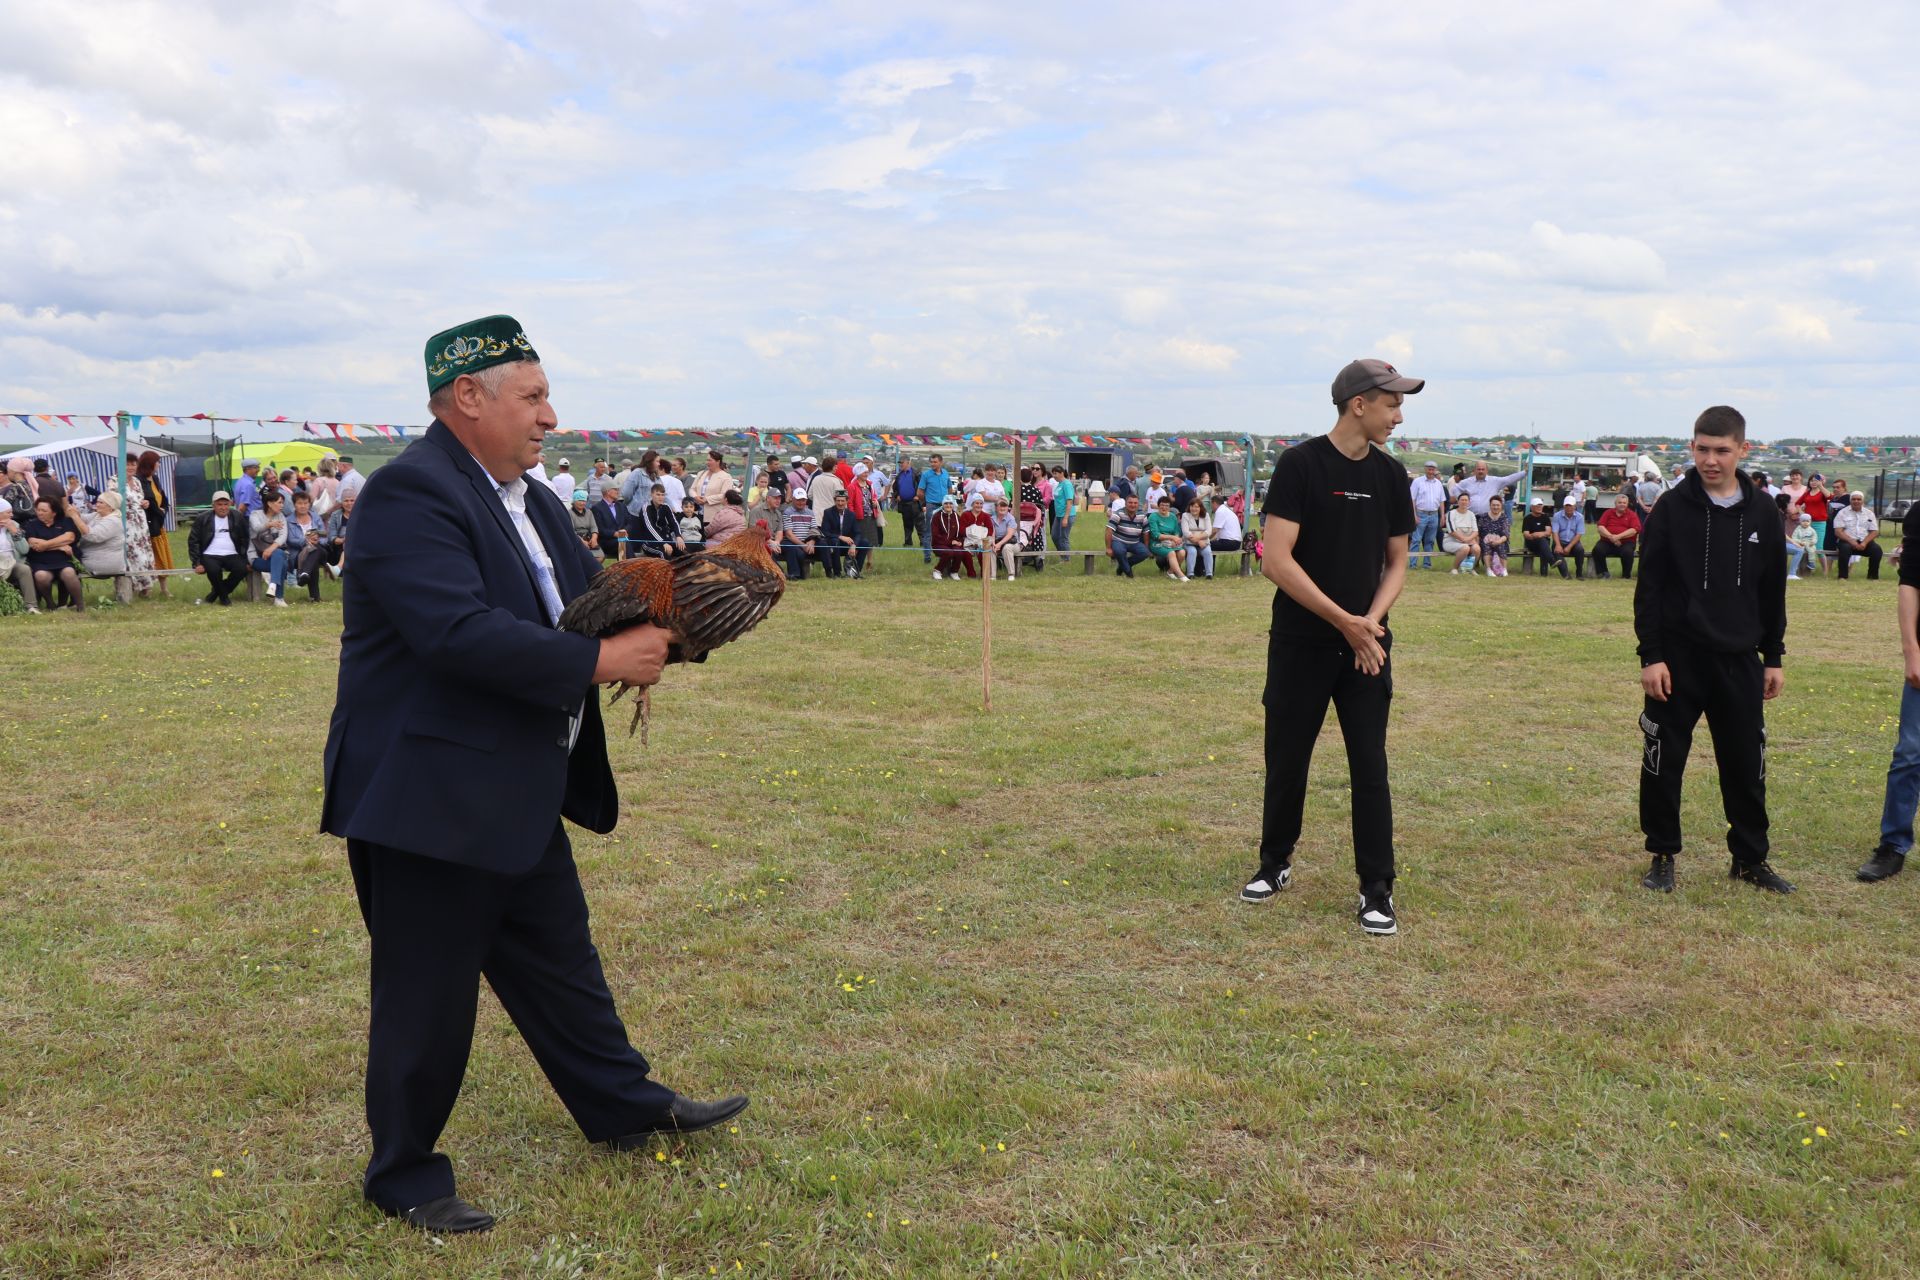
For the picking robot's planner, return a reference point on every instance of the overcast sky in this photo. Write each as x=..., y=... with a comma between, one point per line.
x=1122, y=216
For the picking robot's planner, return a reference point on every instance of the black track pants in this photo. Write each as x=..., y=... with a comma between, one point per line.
x=1301, y=681
x=1726, y=687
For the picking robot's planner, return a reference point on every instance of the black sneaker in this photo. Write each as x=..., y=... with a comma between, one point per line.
x=1761, y=876
x=1659, y=877
x=1376, y=911
x=1884, y=865
x=1266, y=882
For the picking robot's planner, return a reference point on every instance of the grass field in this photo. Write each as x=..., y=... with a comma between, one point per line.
x=986, y=976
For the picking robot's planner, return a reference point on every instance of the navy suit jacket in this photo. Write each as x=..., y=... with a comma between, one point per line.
x=449, y=730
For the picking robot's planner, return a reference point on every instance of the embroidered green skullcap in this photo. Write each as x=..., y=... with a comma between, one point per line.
x=473, y=346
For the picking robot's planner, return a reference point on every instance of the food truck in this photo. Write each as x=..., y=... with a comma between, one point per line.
x=1549, y=472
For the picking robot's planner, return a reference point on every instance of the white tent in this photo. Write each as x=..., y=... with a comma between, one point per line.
x=96, y=460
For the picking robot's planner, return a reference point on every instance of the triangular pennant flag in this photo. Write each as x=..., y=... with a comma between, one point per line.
x=348, y=428
x=162, y=421
x=27, y=423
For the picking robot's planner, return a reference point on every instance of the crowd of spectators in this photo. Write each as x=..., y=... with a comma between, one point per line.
x=1468, y=517
x=832, y=513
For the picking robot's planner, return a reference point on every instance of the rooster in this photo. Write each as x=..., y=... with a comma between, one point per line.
x=706, y=600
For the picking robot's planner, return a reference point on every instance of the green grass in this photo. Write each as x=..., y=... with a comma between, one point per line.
x=1550, y=1072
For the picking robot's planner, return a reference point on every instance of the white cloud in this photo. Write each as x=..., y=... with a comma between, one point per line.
x=713, y=213
x=1599, y=261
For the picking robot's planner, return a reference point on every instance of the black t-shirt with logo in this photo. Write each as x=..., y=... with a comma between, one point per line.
x=1346, y=511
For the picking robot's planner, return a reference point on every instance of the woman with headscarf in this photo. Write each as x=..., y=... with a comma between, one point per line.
x=945, y=532
x=20, y=492
x=114, y=547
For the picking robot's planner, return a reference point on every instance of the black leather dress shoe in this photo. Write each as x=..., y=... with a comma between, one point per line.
x=1884, y=865
x=684, y=1115
x=447, y=1216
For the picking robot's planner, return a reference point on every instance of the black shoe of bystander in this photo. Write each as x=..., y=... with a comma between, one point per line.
x=1884, y=865
x=1659, y=877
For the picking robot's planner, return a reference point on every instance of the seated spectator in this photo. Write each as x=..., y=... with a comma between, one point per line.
x=1536, y=532
x=657, y=532
x=1803, y=548
x=693, y=528
x=103, y=539
x=1003, y=548
x=1127, y=536
x=1460, y=534
x=1496, y=532
x=945, y=536
x=51, y=535
x=610, y=524
x=268, y=539
x=217, y=545
x=1569, y=530
x=585, y=526
x=1856, y=532
x=20, y=491
x=1164, y=540
x=307, y=544
x=13, y=561
x=1196, y=537
x=1227, y=534
x=839, y=537
x=976, y=532
x=336, y=540
x=726, y=518
x=798, y=541
x=1619, y=536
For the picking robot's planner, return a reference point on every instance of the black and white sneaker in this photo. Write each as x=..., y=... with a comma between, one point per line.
x=1760, y=875
x=1376, y=912
x=1265, y=883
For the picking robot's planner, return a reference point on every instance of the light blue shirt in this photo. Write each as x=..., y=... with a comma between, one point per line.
x=1479, y=490
x=1569, y=526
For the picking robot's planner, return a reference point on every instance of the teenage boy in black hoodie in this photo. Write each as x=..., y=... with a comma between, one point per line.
x=1711, y=613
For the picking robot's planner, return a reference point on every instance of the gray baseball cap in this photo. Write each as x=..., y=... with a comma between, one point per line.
x=1372, y=375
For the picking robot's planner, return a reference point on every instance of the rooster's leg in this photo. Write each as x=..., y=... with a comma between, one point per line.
x=640, y=709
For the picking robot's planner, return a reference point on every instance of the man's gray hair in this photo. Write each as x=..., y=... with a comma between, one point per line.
x=487, y=379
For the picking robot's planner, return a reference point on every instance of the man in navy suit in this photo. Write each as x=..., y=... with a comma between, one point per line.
x=465, y=727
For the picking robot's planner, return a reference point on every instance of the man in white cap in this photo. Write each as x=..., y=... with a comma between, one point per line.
x=1569, y=537
x=1536, y=532
x=799, y=541
x=563, y=484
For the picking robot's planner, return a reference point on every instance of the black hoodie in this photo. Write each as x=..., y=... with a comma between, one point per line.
x=1712, y=577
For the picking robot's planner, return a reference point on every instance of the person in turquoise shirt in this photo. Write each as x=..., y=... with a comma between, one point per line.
x=1163, y=539
x=935, y=485
x=1062, y=510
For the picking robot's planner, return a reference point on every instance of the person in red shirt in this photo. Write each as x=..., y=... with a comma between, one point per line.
x=1619, y=536
x=1817, y=506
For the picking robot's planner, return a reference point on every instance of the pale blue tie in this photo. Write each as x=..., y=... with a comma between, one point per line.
x=542, y=574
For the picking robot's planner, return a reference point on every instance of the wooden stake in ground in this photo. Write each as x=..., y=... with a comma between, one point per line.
x=986, y=631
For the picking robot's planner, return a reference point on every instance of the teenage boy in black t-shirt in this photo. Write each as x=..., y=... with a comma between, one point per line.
x=1710, y=611
x=1338, y=517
